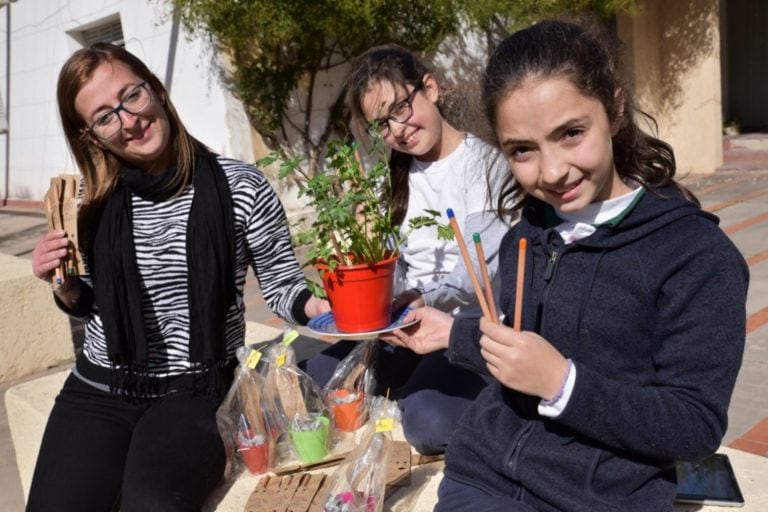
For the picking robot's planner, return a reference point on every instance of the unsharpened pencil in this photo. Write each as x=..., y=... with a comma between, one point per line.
x=468, y=264
x=486, y=277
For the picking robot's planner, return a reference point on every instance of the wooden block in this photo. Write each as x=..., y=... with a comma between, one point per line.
x=70, y=186
x=308, y=488
x=318, y=502
x=272, y=494
x=399, y=464
x=418, y=459
x=61, y=213
x=303, y=492
x=258, y=496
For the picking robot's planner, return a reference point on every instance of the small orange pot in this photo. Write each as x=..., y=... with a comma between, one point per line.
x=348, y=415
x=360, y=295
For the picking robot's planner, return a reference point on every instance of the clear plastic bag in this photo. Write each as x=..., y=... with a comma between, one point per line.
x=359, y=483
x=295, y=412
x=348, y=392
x=241, y=420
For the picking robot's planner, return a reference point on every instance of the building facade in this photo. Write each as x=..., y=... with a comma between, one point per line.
x=696, y=65
x=44, y=33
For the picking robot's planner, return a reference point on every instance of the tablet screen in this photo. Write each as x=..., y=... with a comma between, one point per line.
x=710, y=481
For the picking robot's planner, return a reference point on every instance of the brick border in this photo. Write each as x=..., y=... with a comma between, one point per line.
x=755, y=440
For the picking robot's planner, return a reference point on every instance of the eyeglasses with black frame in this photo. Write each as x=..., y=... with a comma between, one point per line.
x=400, y=112
x=110, y=123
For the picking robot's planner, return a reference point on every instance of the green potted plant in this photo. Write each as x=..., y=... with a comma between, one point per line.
x=352, y=240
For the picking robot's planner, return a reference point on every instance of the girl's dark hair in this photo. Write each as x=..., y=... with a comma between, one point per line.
x=400, y=67
x=557, y=49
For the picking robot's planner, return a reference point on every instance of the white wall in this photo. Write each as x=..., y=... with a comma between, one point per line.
x=39, y=46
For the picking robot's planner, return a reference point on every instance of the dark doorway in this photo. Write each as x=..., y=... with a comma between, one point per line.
x=744, y=51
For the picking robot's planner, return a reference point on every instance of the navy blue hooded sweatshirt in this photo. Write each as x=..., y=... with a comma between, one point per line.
x=651, y=310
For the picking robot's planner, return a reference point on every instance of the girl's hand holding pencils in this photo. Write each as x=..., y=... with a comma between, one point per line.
x=523, y=361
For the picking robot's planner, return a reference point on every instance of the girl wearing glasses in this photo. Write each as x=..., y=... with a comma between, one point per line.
x=168, y=229
x=392, y=95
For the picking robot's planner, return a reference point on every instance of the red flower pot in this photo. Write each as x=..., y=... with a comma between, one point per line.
x=360, y=295
x=256, y=458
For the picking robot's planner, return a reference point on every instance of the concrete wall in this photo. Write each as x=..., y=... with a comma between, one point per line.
x=673, y=51
x=44, y=34
x=34, y=333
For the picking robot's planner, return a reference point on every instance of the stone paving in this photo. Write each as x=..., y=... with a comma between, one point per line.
x=738, y=197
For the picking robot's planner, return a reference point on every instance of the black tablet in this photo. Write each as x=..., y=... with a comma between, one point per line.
x=708, y=482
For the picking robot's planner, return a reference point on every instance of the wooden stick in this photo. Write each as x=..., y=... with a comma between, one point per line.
x=61, y=187
x=249, y=395
x=67, y=200
x=57, y=280
x=337, y=248
x=354, y=374
x=520, y=283
x=468, y=263
x=486, y=277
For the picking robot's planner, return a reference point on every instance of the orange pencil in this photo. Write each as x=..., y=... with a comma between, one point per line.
x=520, y=282
x=468, y=264
x=486, y=277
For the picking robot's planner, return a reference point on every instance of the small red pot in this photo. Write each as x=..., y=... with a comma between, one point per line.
x=256, y=458
x=360, y=295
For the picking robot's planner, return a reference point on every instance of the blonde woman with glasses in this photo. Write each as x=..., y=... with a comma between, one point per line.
x=169, y=229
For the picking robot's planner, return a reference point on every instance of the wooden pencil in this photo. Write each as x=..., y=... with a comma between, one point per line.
x=486, y=277
x=522, y=250
x=468, y=264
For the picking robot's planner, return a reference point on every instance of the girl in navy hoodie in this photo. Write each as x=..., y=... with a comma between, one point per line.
x=633, y=317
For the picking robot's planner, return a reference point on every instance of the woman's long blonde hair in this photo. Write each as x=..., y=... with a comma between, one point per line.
x=98, y=166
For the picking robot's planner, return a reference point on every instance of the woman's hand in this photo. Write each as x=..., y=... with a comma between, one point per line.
x=523, y=361
x=430, y=333
x=316, y=306
x=49, y=253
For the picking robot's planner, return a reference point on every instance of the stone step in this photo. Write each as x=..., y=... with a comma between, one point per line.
x=745, y=152
x=34, y=334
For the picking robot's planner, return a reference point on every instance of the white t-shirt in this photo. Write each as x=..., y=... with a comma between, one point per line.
x=460, y=182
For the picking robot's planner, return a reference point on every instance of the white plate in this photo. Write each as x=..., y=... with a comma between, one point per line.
x=324, y=325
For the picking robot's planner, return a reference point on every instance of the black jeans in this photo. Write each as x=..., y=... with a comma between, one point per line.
x=100, y=453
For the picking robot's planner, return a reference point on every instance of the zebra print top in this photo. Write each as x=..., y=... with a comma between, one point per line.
x=262, y=239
